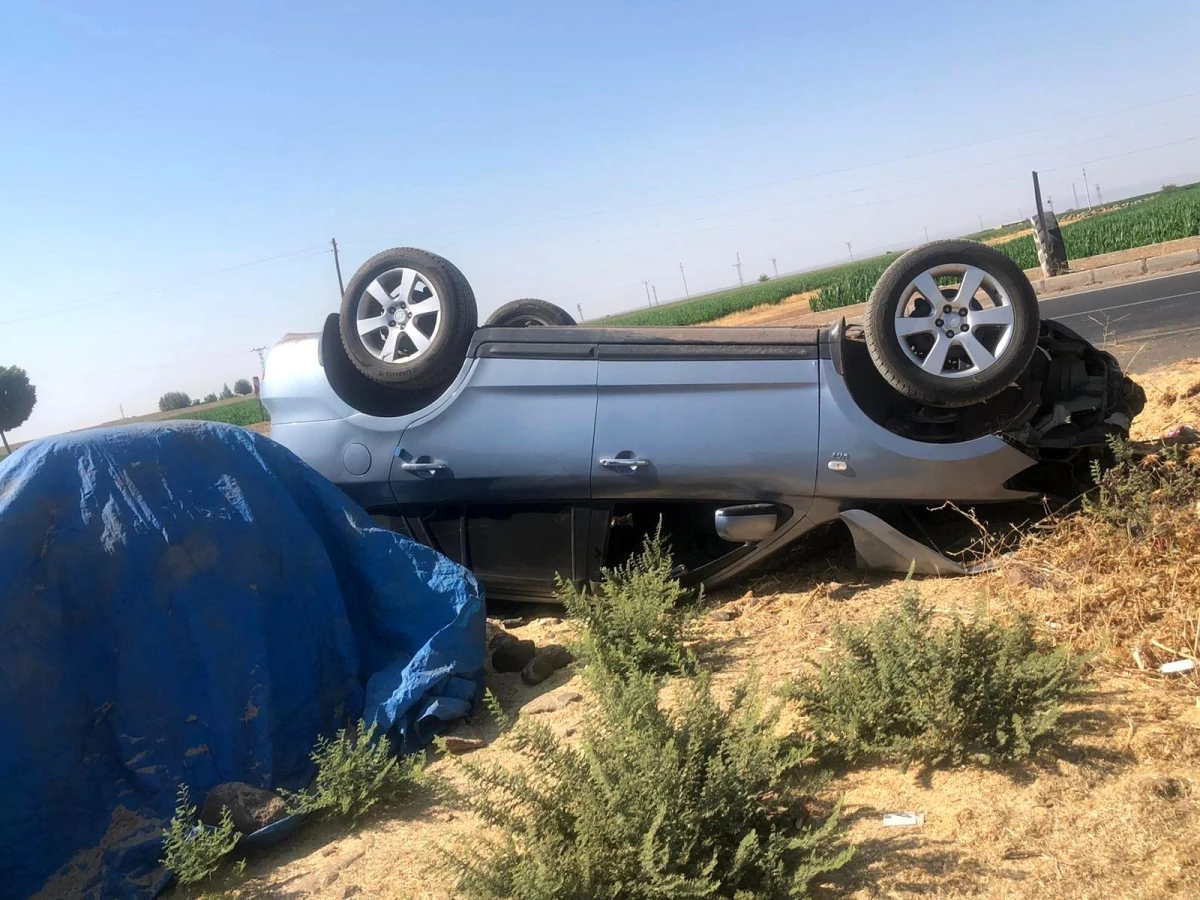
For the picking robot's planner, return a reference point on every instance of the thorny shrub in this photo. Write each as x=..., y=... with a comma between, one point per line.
x=633, y=622
x=191, y=850
x=901, y=689
x=703, y=801
x=355, y=770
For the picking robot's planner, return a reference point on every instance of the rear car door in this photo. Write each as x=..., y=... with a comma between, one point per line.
x=716, y=414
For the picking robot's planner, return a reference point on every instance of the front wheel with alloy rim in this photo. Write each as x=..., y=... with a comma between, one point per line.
x=407, y=318
x=952, y=323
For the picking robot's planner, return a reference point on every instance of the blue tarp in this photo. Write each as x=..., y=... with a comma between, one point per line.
x=191, y=603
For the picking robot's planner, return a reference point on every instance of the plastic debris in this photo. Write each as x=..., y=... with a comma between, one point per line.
x=895, y=820
x=1177, y=666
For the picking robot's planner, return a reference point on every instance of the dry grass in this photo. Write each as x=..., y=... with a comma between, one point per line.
x=770, y=314
x=1118, y=815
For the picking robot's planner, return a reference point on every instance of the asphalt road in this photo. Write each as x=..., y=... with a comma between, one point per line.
x=1145, y=324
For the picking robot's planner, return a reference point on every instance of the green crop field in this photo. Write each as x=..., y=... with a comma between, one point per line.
x=248, y=412
x=1163, y=216
x=839, y=281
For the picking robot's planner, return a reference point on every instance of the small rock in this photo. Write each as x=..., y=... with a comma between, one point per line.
x=512, y=623
x=329, y=878
x=553, y=702
x=329, y=850
x=570, y=732
x=455, y=744
x=500, y=638
x=513, y=656
x=547, y=620
x=724, y=615
x=548, y=661
x=250, y=808
x=350, y=890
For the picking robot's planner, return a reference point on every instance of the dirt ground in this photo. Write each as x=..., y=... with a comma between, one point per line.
x=1114, y=815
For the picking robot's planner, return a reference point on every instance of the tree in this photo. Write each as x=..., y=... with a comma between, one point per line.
x=242, y=386
x=210, y=398
x=763, y=277
x=226, y=393
x=173, y=400
x=17, y=399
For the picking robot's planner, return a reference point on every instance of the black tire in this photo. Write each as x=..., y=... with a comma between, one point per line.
x=932, y=389
x=529, y=312
x=449, y=339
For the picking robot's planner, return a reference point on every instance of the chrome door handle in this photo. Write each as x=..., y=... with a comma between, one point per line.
x=634, y=463
x=423, y=466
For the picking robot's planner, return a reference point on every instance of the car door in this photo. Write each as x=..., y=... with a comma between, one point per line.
x=519, y=431
x=693, y=426
x=498, y=478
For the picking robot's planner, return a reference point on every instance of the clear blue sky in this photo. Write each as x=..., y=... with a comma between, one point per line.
x=560, y=150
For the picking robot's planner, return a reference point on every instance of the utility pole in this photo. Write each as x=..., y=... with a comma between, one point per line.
x=738, y=266
x=579, y=306
x=654, y=288
x=1099, y=199
x=646, y=284
x=338, y=265
x=1086, y=189
x=1075, y=194
x=1050, y=202
x=121, y=406
x=850, y=250
x=927, y=234
x=262, y=361
x=684, y=277
x=981, y=222
x=775, y=266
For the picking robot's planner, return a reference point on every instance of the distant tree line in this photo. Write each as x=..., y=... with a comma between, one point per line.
x=17, y=399
x=173, y=400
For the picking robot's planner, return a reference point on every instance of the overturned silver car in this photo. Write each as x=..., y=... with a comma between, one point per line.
x=530, y=452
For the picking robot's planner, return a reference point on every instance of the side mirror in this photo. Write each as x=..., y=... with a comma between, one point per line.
x=746, y=524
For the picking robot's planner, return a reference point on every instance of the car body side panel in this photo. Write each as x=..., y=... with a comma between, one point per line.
x=879, y=465
x=350, y=448
x=711, y=429
x=519, y=430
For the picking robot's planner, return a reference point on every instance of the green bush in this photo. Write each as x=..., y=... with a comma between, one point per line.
x=355, y=771
x=1130, y=492
x=173, y=400
x=902, y=690
x=633, y=623
x=194, y=852
x=247, y=412
x=705, y=801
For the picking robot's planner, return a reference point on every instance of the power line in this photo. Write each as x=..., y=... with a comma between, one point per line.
x=931, y=193
x=136, y=293
x=823, y=174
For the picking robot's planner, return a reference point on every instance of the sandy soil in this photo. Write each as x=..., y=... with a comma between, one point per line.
x=1117, y=814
